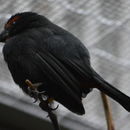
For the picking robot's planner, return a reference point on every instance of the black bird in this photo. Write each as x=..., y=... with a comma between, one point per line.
x=38, y=50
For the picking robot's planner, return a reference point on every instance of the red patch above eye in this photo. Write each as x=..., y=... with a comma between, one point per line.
x=11, y=21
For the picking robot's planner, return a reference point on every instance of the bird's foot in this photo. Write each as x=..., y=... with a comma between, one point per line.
x=33, y=89
x=45, y=101
x=46, y=105
x=50, y=102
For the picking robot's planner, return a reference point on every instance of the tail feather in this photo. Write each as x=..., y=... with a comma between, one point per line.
x=112, y=92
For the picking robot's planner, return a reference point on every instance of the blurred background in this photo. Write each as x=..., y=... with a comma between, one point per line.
x=104, y=27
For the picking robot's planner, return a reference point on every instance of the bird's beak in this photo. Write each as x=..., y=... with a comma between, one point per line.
x=4, y=35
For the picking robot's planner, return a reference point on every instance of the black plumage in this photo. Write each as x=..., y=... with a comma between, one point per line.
x=38, y=50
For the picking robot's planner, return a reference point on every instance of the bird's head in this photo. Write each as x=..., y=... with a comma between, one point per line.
x=19, y=23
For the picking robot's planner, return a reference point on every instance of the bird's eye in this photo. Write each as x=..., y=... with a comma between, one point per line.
x=14, y=22
x=11, y=21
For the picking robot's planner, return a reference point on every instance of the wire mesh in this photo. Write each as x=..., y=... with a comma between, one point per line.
x=103, y=26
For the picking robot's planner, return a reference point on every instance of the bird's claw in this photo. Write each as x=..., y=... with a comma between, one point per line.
x=35, y=100
x=35, y=95
x=45, y=101
x=53, y=109
x=33, y=90
x=46, y=106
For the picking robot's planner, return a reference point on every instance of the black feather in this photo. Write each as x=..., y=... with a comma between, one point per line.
x=112, y=92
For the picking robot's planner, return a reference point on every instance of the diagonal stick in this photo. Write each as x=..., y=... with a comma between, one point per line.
x=107, y=110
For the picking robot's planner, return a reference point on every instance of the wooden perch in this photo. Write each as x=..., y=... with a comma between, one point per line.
x=108, y=113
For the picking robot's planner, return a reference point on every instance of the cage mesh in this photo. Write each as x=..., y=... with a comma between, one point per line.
x=104, y=27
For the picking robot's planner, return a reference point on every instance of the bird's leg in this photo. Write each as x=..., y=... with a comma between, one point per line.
x=45, y=104
x=32, y=89
x=108, y=113
x=49, y=102
x=35, y=94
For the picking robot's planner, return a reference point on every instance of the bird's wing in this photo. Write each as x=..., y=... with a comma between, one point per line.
x=56, y=63
x=61, y=84
x=57, y=72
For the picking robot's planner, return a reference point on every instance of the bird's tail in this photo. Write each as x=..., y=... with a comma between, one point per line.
x=112, y=92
